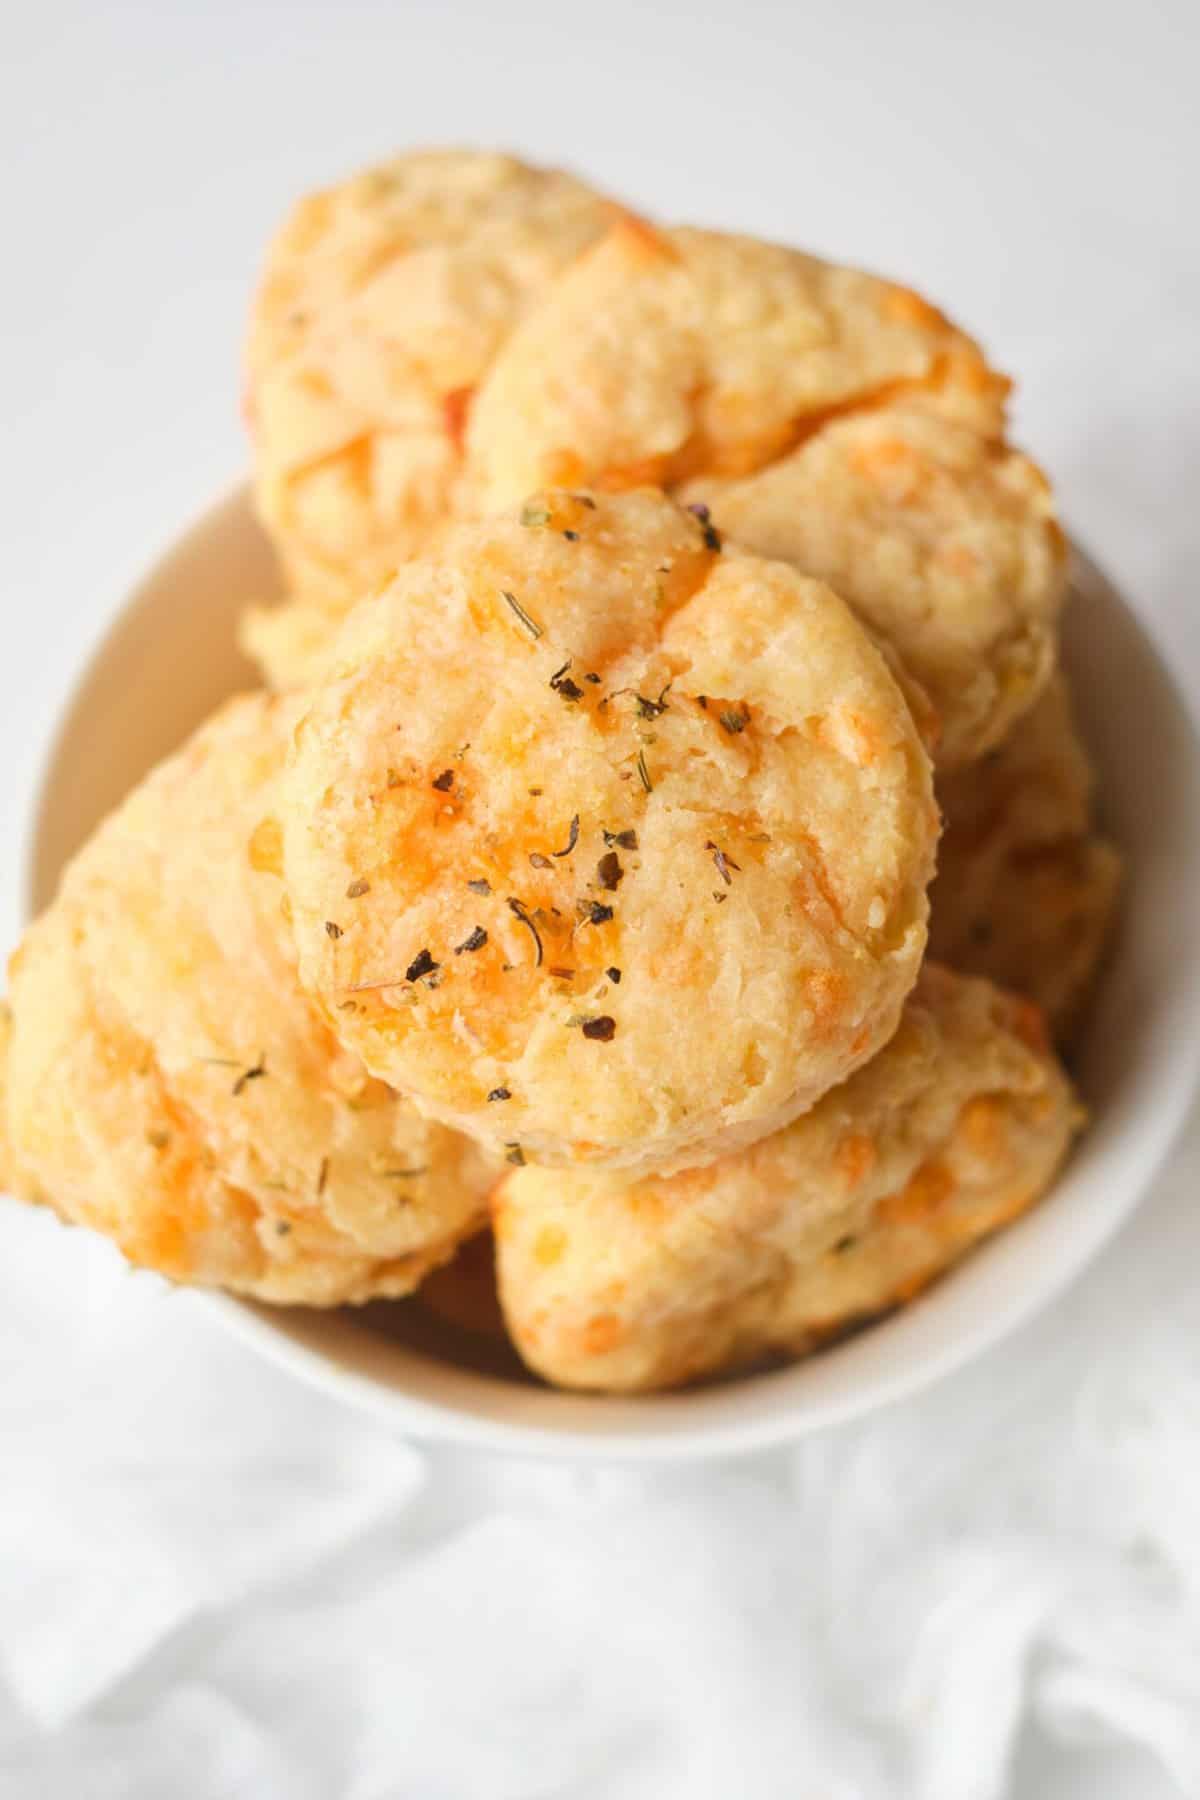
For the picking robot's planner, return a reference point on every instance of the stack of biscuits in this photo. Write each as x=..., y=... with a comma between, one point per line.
x=664, y=611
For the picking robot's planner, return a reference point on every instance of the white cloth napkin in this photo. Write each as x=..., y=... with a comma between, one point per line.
x=214, y=1583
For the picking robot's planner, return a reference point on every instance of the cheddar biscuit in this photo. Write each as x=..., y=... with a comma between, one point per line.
x=605, y=845
x=825, y=416
x=169, y=1084
x=1026, y=890
x=381, y=305
x=957, y=1125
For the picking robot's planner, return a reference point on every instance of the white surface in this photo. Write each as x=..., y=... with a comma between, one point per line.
x=1033, y=167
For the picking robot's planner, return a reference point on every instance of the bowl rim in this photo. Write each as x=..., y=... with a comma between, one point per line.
x=496, y=1416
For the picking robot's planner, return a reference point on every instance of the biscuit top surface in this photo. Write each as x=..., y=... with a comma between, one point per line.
x=584, y=739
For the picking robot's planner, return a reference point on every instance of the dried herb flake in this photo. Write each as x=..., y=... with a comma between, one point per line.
x=562, y=684
x=500, y=1093
x=421, y=964
x=609, y=872
x=600, y=1030
x=531, y=625
x=572, y=839
x=255, y=1073
x=593, y=912
x=518, y=910
x=724, y=863
x=445, y=781
x=477, y=939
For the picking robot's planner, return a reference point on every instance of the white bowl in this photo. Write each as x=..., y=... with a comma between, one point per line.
x=171, y=657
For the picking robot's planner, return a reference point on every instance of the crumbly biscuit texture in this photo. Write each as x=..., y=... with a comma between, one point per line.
x=382, y=303
x=1026, y=891
x=956, y=1126
x=642, y=831
x=944, y=542
x=170, y=1085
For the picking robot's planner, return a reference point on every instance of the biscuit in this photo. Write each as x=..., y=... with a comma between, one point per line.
x=169, y=1084
x=288, y=640
x=639, y=834
x=381, y=304
x=957, y=1125
x=942, y=540
x=825, y=416
x=1026, y=891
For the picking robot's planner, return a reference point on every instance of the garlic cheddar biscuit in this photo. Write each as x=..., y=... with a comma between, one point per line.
x=825, y=416
x=169, y=1084
x=944, y=542
x=603, y=844
x=1026, y=889
x=381, y=305
x=958, y=1124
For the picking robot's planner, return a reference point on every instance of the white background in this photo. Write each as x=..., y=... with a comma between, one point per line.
x=1031, y=166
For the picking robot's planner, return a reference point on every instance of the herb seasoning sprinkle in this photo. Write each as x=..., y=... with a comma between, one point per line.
x=531, y=625
x=248, y=1075
x=609, y=872
x=519, y=911
x=572, y=839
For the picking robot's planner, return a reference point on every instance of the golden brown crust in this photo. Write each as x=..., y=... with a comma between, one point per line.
x=591, y=737
x=168, y=1083
x=959, y=1123
x=1026, y=891
x=381, y=305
